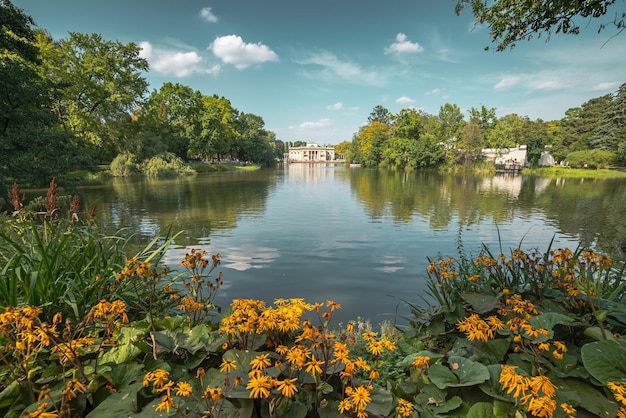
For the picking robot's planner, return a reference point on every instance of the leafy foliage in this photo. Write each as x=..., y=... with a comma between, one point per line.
x=510, y=21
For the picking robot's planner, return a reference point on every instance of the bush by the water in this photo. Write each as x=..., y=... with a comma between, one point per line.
x=527, y=333
x=594, y=158
x=162, y=165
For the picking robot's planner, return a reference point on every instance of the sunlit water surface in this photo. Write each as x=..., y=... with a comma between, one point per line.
x=359, y=237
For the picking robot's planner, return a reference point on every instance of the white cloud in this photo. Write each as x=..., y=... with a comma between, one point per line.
x=403, y=46
x=507, y=82
x=321, y=123
x=333, y=69
x=335, y=106
x=405, y=100
x=605, y=86
x=180, y=64
x=434, y=91
x=548, y=83
x=231, y=49
x=207, y=15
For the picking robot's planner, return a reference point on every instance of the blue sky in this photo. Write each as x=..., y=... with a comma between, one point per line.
x=314, y=70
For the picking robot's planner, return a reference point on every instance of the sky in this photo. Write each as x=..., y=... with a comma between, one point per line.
x=314, y=70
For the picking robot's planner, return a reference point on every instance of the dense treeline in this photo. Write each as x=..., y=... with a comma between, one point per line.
x=82, y=101
x=593, y=134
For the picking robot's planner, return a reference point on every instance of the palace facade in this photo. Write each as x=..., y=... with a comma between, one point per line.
x=312, y=152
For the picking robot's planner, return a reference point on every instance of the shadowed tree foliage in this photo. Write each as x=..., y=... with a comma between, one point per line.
x=510, y=21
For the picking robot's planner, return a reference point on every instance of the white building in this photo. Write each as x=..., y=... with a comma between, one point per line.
x=311, y=153
x=501, y=156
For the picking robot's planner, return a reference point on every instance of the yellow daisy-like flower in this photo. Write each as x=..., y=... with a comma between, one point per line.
x=405, y=408
x=287, y=387
x=568, y=409
x=213, y=393
x=314, y=366
x=542, y=406
x=421, y=362
x=166, y=404
x=228, y=366
x=183, y=389
x=344, y=406
x=261, y=362
x=259, y=387
x=543, y=384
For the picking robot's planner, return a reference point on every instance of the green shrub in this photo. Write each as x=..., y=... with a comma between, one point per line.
x=124, y=165
x=594, y=158
x=165, y=165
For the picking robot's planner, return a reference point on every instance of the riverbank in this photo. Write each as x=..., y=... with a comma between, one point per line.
x=566, y=172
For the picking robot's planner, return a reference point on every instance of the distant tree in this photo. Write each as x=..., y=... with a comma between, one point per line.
x=535, y=137
x=407, y=124
x=380, y=114
x=343, y=148
x=371, y=142
x=510, y=21
x=610, y=135
x=471, y=143
x=98, y=83
x=579, y=124
x=507, y=132
x=172, y=113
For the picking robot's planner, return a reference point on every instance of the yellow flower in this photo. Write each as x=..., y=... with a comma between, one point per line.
x=228, y=365
x=200, y=372
x=213, y=393
x=344, y=406
x=259, y=387
x=287, y=387
x=313, y=366
x=183, y=389
x=542, y=406
x=41, y=413
x=166, y=404
x=360, y=397
x=375, y=347
x=568, y=409
x=374, y=374
x=421, y=361
x=405, y=408
x=260, y=362
x=543, y=384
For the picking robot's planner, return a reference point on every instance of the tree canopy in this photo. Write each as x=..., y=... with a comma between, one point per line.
x=510, y=21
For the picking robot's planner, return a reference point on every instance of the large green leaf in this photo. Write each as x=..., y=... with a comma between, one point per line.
x=381, y=403
x=481, y=410
x=605, y=360
x=480, y=302
x=462, y=372
x=122, y=404
x=591, y=399
x=548, y=321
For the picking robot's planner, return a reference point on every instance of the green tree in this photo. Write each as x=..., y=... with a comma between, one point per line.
x=31, y=152
x=342, y=148
x=610, y=135
x=98, y=83
x=510, y=21
x=471, y=143
x=450, y=122
x=173, y=115
x=579, y=124
x=218, y=133
x=371, y=141
x=380, y=114
x=507, y=132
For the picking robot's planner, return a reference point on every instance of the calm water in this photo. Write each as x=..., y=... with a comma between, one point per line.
x=359, y=237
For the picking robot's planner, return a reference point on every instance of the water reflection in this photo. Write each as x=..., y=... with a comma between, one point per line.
x=360, y=237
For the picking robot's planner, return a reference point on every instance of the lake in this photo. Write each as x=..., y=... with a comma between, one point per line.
x=357, y=236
